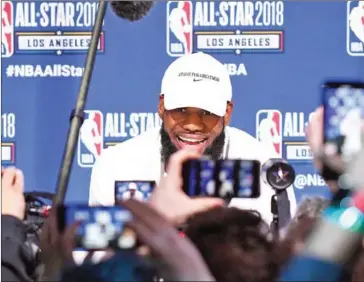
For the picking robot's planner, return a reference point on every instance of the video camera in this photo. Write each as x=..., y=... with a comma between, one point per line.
x=36, y=212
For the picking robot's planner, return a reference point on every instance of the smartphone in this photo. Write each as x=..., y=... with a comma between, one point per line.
x=100, y=227
x=343, y=121
x=139, y=190
x=222, y=178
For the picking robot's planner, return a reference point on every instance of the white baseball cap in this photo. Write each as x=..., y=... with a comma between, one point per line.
x=199, y=81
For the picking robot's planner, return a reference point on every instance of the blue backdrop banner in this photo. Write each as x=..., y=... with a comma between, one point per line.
x=278, y=54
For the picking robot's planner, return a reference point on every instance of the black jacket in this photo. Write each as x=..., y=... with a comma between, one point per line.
x=16, y=261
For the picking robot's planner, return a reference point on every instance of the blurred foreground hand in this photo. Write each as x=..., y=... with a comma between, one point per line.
x=12, y=197
x=169, y=199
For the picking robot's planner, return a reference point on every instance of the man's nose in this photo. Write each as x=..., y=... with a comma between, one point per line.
x=193, y=122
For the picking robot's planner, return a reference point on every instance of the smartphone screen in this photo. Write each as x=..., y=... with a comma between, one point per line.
x=343, y=121
x=222, y=178
x=139, y=190
x=100, y=227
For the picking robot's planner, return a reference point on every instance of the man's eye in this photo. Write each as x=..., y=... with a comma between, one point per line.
x=181, y=110
x=207, y=113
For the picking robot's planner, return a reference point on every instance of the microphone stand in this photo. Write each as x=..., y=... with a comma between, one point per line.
x=274, y=227
x=76, y=119
x=281, y=211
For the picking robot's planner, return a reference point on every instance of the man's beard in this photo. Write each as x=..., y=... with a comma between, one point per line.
x=168, y=148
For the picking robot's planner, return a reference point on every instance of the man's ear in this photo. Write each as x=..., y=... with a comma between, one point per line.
x=161, y=106
x=229, y=111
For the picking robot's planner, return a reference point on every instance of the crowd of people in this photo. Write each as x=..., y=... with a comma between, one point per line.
x=185, y=238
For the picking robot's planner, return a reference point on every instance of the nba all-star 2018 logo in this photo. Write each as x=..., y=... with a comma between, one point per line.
x=43, y=27
x=224, y=27
x=284, y=133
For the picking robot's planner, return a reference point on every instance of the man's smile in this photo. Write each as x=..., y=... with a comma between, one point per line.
x=196, y=141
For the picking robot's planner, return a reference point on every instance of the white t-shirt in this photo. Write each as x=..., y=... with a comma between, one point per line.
x=139, y=158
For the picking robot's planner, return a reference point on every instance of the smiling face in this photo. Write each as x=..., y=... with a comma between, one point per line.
x=193, y=128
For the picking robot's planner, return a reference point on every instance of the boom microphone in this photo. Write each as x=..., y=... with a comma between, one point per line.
x=52, y=267
x=131, y=10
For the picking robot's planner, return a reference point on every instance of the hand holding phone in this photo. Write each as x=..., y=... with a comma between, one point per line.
x=222, y=178
x=100, y=227
x=343, y=122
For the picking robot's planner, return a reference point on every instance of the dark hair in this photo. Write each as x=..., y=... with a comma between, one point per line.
x=235, y=244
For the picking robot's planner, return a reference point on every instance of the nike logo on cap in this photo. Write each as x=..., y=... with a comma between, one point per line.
x=195, y=79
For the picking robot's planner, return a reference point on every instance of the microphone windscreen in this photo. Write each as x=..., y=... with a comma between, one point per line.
x=278, y=174
x=131, y=10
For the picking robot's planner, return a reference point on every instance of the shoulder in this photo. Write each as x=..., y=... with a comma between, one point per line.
x=137, y=146
x=243, y=145
x=134, y=159
x=131, y=155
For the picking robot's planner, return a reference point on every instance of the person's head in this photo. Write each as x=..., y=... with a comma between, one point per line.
x=195, y=105
x=234, y=244
x=132, y=189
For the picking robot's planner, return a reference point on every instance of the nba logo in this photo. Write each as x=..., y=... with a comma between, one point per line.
x=355, y=28
x=179, y=28
x=7, y=29
x=90, y=140
x=269, y=129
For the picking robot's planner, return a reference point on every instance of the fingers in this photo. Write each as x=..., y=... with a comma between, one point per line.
x=70, y=231
x=52, y=226
x=320, y=111
x=142, y=211
x=143, y=233
x=13, y=177
x=204, y=204
x=317, y=115
x=146, y=223
x=314, y=129
x=175, y=163
x=9, y=176
x=154, y=238
x=68, y=238
x=19, y=181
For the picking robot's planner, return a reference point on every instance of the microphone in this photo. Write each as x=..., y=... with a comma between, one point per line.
x=131, y=10
x=278, y=174
x=333, y=242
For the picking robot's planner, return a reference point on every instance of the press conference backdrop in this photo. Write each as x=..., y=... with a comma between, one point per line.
x=277, y=53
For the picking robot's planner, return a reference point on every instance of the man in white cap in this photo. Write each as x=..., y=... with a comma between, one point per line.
x=195, y=105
